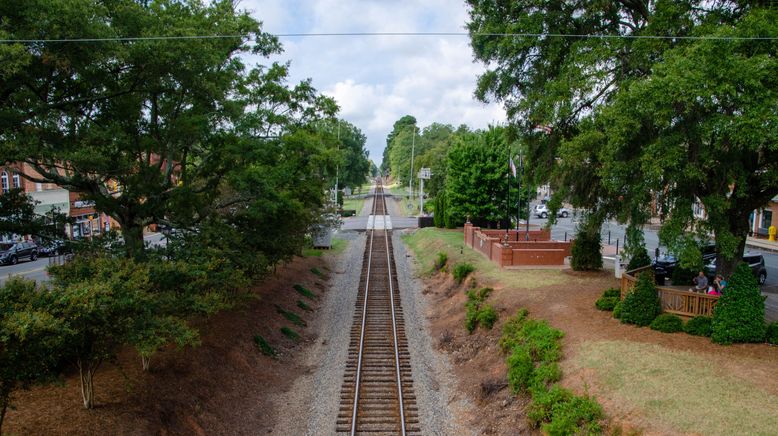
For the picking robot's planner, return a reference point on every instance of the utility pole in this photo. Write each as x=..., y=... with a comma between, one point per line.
x=413, y=149
x=518, y=204
x=337, y=169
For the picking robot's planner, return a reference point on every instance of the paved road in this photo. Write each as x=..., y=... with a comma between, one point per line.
x=32, y=270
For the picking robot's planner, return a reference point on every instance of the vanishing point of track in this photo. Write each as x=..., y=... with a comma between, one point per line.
x=377, y=394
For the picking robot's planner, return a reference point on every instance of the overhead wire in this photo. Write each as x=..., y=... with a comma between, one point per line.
x=363, y=34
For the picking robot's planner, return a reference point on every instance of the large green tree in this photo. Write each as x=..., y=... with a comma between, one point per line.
x=626, y=119
x=406, y=123
x=164, y=119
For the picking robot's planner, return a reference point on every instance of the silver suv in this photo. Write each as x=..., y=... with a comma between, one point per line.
x=541, y=211
x=12, y=252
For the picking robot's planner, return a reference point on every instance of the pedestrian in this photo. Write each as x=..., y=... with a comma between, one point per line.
x=700, y=282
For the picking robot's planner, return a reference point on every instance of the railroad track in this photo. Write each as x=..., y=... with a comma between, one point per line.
x=377, y=393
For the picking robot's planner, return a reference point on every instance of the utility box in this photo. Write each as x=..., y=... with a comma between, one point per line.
x=321, y=236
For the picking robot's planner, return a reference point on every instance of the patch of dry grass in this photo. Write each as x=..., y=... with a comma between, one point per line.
x=680, y=391
x=427, y=242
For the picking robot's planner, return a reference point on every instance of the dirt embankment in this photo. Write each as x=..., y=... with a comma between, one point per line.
x=220, y=387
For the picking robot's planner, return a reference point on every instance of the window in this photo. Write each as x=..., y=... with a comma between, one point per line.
x=4, y=181
x=767, y=218
x=17, y=181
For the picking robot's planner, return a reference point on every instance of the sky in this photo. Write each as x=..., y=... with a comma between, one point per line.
x=378, y=79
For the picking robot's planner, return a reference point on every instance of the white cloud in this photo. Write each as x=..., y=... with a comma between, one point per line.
x=378, y=79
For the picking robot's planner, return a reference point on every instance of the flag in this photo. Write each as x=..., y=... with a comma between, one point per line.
x=512, y=165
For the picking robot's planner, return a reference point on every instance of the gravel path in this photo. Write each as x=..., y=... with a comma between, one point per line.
x=310, y=407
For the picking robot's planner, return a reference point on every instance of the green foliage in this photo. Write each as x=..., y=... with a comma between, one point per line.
x=291, y=334
x=609, y=299
x=667, y=323
x=641, y=305
x=699, y=326
x=291, y=316
x=302, y=305
x=317, y=272
x=440, y=210
x=682, y=276
x=461, y=271
x=639, y=260
x=305, y=292
x=441, y=261
x=739, y=314
x=617, y=309
x=535, y=349
x=476, y=312
x=264, y=346
x=771, y=334
x=586, y=250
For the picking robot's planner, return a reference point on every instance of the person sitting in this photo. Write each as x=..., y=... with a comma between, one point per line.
x=720, y=282
x=700, y=282
x=714, y=289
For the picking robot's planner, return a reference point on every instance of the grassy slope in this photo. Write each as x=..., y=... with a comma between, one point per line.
x=354, y=204
x=681, y=389
x=427, y=242
x=338, y=245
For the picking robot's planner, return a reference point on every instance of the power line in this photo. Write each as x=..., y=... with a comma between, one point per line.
x=399, y=34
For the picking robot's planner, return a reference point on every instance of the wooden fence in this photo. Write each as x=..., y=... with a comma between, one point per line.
x=677, y=299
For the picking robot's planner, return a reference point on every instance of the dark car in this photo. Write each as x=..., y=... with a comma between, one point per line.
x=665, y=265
x=754, y=260
x=13, y=252
x=53, y=248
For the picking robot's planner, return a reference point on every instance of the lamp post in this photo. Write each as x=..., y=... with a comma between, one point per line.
x=413, y=149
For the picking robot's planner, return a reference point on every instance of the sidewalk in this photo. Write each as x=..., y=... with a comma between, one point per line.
x=762, y=244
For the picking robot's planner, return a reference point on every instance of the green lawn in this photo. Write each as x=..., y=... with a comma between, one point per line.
x=354, y=204
x=427, y=242
x=685, y=391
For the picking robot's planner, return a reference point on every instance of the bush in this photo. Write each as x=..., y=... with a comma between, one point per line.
x=772, y=333
x=291, y=334
x=617, y=309
x=487, y=316
x=264, y=346
x=667, y=323
x=641, y=305
x=511, y=329
x=606, y=303
x=317, y=272
x=305, y=292
x=441, y=261
x=586, y=255
x=578, y=415
x=739, y=314
x=541, y=407
x=699, y=326
x=301, y=304
x=639, y=260
x=683, y=276
x=461, y=271
x=290, y=316
x=612, y=292
x=520, y=369
x=440, y=211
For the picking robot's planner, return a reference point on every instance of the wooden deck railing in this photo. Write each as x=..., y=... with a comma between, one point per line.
x=677, y=300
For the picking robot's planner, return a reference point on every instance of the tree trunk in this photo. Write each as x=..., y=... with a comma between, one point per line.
x=133, y=239
x=5, y=398
x=145, y=361
x=86, y=372
x=738, y=226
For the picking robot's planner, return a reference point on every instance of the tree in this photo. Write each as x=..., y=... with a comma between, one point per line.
x=145, y=129
x=587, y=247
x=739, y=313
x=679, y=118
x=31, y=339
x=476, y=182
x=404, y=123
x=354, y=163
x=641, y=305
x=17, y=216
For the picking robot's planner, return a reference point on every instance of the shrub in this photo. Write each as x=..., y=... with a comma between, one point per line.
x=264, y=346
x=301, y=304
x=441, y=261
x=461, y=271
x=641, y=305
x=305, y=292
x=606, y=303
x=547, y=373
x=639, y=260
x=291, y=334
x=739, y=314
x=612, y=292
x=471, y=316
x=440, y=211
x=682, y=276
x=487, y=316
x=617, y=309
x=542, y=404
x=317, y=272
x=699, y=326
x=586, y=255
x=667, y=323
x=511, y=329
x=291, y=316
x=577, y=415
x=520, y=369
x=772, y=333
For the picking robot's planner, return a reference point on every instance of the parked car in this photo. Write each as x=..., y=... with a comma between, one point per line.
x=12, y=252
x=53, y=248
x=665, y=265
x=541, y=211
x=754, y=260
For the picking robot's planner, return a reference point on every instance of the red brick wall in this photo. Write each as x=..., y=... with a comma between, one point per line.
x=554, y=256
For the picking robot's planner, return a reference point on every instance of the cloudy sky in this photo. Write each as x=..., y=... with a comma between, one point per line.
x=378, y=79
